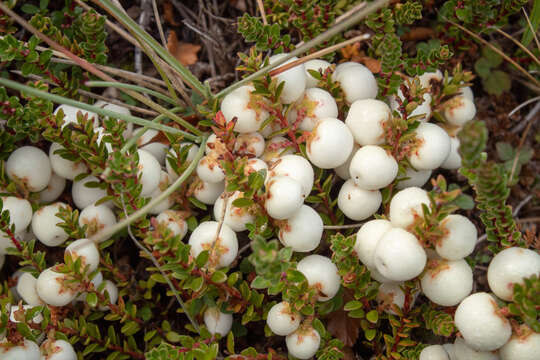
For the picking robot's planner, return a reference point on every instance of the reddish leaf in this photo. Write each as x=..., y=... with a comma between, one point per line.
x=186, y=53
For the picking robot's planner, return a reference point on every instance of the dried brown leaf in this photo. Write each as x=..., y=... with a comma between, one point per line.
x=168, y=14
x=186, y=53
x=344, y=328
x=418, y=33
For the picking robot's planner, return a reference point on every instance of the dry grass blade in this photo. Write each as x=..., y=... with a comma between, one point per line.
x=158, y=22
x=532, y=28
x=508, y=36
x=498, y=51
x=263, y=13
x=518, y=152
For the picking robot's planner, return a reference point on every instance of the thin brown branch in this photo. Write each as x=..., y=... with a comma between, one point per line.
x=520, y=45
x=263, y=13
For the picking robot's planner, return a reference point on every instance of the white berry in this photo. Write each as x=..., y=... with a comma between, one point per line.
x=356, y=81
x=446, y=283
x=44, y=225
x=329, y=144
x=224, y=249
x=316, y=104
x=303, y=343
x=20, y=212
x=86, y=250
x=433, y=352
x=96, y=218
x=459, y=237
x=462, y=351
x=413, y=177
x=207, y=193
x=294, y=78
x=303, y=231
x=373, y=168
x=356, y=203
x=366, y=120
x=459, y=110
x=432, y=147
x=31, y=166
x=52, y=289
x=83, y=195
x=282, y=320
x=174, y=221
x=316, y=65
x=453, y=161
x=57, y=350
x=249, y=144
x=26, y=288
x=217, y=322
x=54, y=189
x=295, y=167
x=65, y=168
x=406, y=206
x=525, y=346
x=235, y=217
x=322, y=274
x=149, y=172
x=368, y=237
x=283, y=197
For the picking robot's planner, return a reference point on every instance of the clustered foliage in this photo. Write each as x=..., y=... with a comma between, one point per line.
x=164, y=290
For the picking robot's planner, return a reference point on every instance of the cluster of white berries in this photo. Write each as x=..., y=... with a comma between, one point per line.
x=50, y=349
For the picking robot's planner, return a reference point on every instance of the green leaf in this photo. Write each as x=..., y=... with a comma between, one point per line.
x=91, y=299
x=505, y=151
x=260, y=283
x=372, y=316
x=534, y=17
x=370, y=334
x=219, y=277
x=202, y=259
x=242, y=202
x=482, y=67
x=29, y=9
x=353, y=305
x=497, y=82
x=230, y=342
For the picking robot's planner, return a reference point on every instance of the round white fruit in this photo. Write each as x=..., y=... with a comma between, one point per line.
x=373, y=168
x=303, y=231
x=296, y=167
x=284, y=197
x=54, y=189
x=168, y=202
x=207, y=193
x=249, y=144
x=31, y=166
x=406, y=206
x=149, y=172
x=433, y=352
x=322, y=274
x=85, y=249
x=204, y=238
x=413, y=177
x=356, y=81
x=44, y=225
x=316, y=65
x=217, y=322
x=209, y=169
x=52, y=290
x=453, y=161
x=391, y=294
x=356, y=203
x=343, y=170
x=446, y=283
x=399, y=256
x=432, y=147
x=303, y=343
x=57, y=350
x=329, y=144
x=294, y=78
x=366, y=120
x=282, y=320
x=254, y=165
x=71, y=114
x=83, y=195
x=510, y=267
x=174, y=221
x=112, y=290
x=427, y=78
x=240, y=104
x=459, y=237
x=96, y=218
x=29, y=350
x=235, y=217
x=26, y=288
x=480, y=322
x=316, y=104
x=461, y=351
x=368, y=237
x=525, y=346
x=157, y=150
x=459, y=110
x=20, y=212
x=128, y=132
x=65, y=168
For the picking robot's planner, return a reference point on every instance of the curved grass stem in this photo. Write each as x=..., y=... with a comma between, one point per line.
x=131, y=87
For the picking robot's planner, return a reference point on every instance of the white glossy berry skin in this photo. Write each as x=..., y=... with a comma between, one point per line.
x=85, y=249
x=54, y=189
x=356, y=81
x=399, y=255
x=276, y=148
x=128, y=132
x=209, y=169
x=427, y=78
x=391, y=294
x=282, y=320
x=208, y=193
x=149, y=172
x=57, y=350
x=63, y=167
x=294, y=78
x=481, y=324
x=295, y=167
x=239, y=103
x=51, y=290
x=356, y=203
x=235, y=217
x=20, y=212
x=83, y=195
x=316, y=65
x=413, y=177
x=204, y=237
x=432, y=147
x=254, y=165
x=101, y=133
x=406, y=206
x=111, y=289
x=192, y=152
x=217, y=322
x=510, y=267
x=462, y=351
x=44, y=225
x=314, y=105
x=30, y=165
x=449, y=348
x=70, y=114
x=459, y=110
x=329, y=144
x=249, y=144
x=343, y=170
x=368, y=237
x=322, y=274
x=164, y=182
x=525, y=346
x=284, y=197
x=174, y=222
x=467, y=93
x=459, y=237
x=372, y=168
x=366, y=119
x=303, y=231
x=158, y=151
x=97, y=218
x=433, y=352
x=303, y=343
x=28, y=351
x=453, y=161
x=26, y=288
x=446, y=283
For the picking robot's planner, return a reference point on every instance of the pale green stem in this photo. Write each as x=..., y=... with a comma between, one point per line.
x=186, y=75
x=104, y=112
x=111, y=230
x=334, y=30
x=131, y=87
